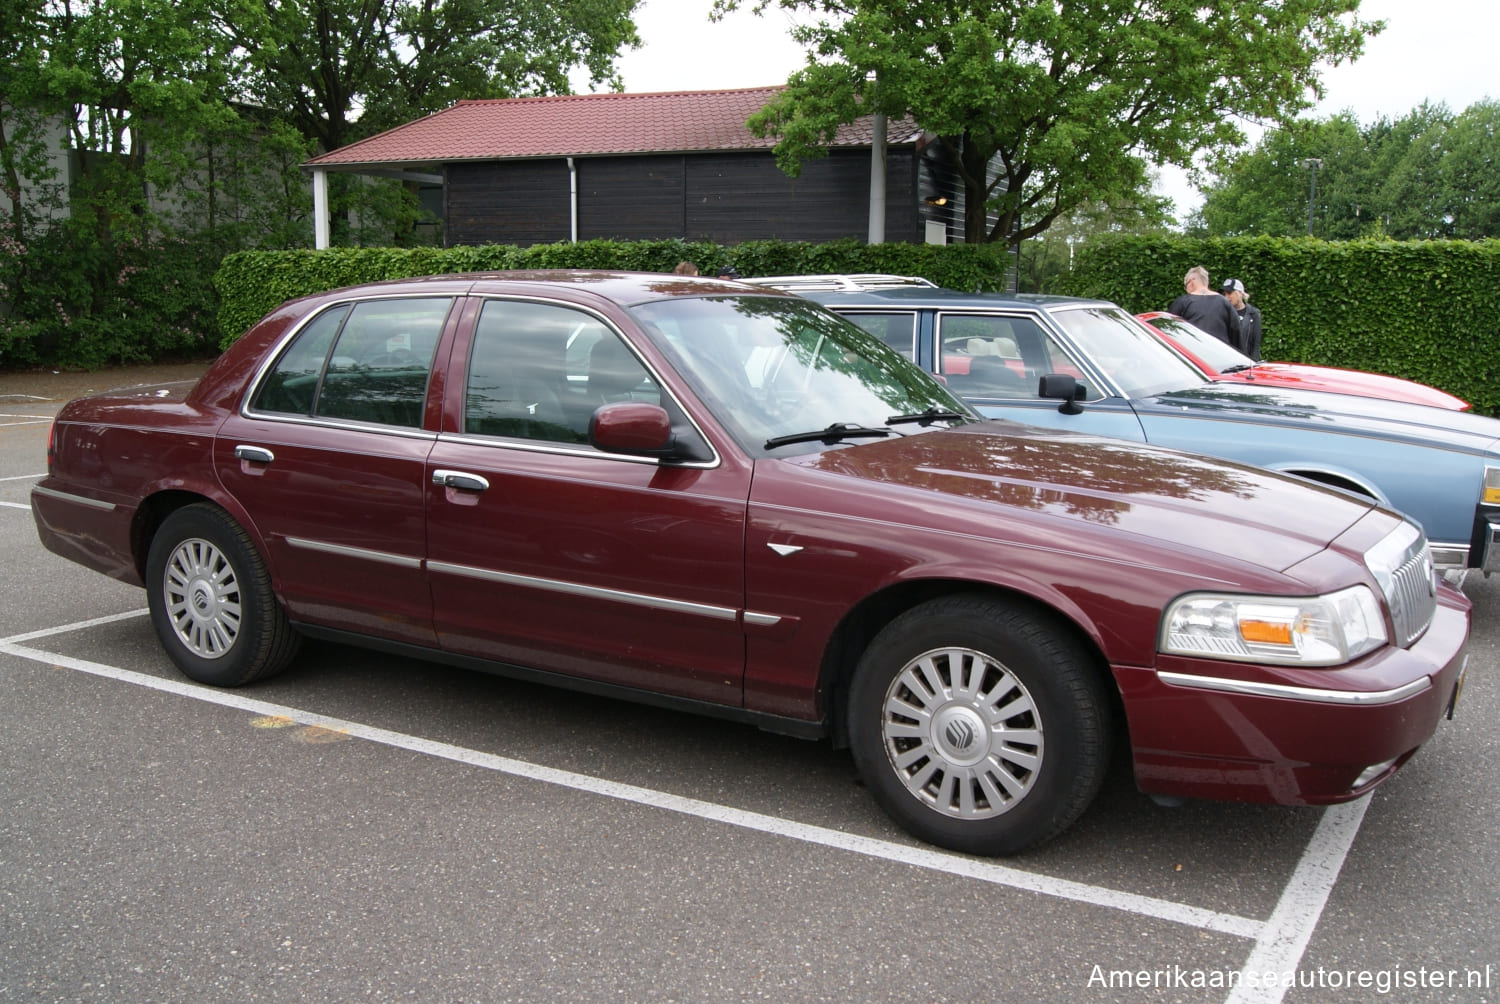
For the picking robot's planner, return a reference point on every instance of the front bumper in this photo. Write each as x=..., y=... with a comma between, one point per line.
x=1486, y=542
x=1288, y=735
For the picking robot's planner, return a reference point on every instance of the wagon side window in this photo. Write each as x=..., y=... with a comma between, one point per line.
x=899, y=331
x=994, y=356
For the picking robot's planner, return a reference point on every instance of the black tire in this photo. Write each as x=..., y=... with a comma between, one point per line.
x=1011, y=733
x=211, y=600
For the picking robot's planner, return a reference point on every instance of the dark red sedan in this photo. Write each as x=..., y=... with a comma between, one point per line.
x=728, y=500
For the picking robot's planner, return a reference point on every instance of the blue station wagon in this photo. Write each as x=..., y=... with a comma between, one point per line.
x=1090, y=366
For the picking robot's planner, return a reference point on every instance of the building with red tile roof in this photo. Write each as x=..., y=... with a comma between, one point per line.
x=648, y=166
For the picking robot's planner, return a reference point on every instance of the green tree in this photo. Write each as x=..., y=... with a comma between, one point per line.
x=1429, y=174
x=1045, y=260
x=342, y=70
x=346, y=69
x=1071, y=99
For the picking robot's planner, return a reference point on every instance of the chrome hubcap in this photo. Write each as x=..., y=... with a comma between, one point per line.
x=202, y=598
x=962, y=733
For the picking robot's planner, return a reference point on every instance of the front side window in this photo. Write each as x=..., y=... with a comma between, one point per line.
x=1001, y=356
x=368, y=362
x=538, y=370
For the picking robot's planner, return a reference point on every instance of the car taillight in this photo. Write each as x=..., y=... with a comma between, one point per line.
x=51, y=445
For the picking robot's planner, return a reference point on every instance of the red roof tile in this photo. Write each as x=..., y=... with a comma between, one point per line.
x=583, y=125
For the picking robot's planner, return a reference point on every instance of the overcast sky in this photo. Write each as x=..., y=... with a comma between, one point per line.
x=1434, y=50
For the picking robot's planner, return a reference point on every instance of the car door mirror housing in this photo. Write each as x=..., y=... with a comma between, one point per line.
x=1065, y=388
x=633, y=427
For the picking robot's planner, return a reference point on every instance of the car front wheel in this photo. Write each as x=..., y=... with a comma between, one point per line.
x=211, y=600
x=979, y=725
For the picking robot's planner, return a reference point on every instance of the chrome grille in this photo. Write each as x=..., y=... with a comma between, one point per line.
x=1413, y=596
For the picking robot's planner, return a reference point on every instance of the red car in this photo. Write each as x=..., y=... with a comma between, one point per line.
x=1222, y=362
x=728, y=500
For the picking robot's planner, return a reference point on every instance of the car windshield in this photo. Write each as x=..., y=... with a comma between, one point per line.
x=1134, y=357
x=1200, y=343
x=774, y=370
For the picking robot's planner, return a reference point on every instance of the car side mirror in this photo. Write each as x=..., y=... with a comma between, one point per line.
x=638, y=429
x=1062, y=387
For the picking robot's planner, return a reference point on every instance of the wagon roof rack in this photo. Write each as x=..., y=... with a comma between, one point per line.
x=834, y=283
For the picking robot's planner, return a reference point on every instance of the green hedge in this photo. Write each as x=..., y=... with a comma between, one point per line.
x=252, y=283
x=1422, y=310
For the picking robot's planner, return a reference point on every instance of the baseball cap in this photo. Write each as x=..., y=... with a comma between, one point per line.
x=1232, y=286
x=729, y=272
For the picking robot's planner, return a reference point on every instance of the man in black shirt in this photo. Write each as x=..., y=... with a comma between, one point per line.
x=1234, y=292
x=1203, y=308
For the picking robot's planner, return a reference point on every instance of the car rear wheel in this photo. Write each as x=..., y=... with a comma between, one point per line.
x=211, y=600
x=979, y=725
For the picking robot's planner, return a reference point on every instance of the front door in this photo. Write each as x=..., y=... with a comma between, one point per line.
x=545, y=552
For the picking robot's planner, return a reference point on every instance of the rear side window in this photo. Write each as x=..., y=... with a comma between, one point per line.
x=899, y=331
x=367, y=363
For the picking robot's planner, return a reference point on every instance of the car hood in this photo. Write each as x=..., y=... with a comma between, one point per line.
x=1394, y=420
x=1015, y=480
x=1342, y=381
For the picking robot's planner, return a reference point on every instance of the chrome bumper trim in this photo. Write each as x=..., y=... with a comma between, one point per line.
x=1314, y=694
x=53, y=493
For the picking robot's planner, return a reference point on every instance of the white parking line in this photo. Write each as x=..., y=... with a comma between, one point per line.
x=1279, y=948
x=25, y=477
x=15, y=505
x=1279, y=941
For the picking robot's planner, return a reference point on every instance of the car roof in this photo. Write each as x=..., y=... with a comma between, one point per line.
x=917, y=296
x=624, y=288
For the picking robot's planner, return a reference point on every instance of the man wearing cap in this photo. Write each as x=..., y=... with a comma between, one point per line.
x=1205, y=309
x=1234, y=292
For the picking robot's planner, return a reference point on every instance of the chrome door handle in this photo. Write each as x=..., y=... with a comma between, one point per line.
x=459, y=479
x=254, y=454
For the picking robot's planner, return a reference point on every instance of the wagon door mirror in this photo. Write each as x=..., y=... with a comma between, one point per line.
x=1060, y=386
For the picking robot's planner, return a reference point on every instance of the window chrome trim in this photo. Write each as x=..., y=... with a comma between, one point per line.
x=53, y=493
x=590, y=592
x=1317, y=695
x=363, y=553
x=565, y=450
x=347, y=424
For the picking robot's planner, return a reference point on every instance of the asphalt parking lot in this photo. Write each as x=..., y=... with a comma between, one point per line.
x=367, y=827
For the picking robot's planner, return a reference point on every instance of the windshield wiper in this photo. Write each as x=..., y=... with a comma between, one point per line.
x=1242, y=367
x=830, y=435
x=933, y=414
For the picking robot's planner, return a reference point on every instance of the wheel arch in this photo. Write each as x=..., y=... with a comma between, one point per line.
x=1345, y=480
x=154, y=510
x=860, y=625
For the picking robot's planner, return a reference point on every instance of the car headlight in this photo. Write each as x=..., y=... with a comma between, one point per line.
x=1324, y=630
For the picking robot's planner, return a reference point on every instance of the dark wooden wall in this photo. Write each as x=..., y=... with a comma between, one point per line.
x=726, y=198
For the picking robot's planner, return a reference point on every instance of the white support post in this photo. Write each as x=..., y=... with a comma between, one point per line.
x=877, y=181
x=320, y=208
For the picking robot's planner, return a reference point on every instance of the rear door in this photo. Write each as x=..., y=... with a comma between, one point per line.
x=329, y=461
x=545, y=552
